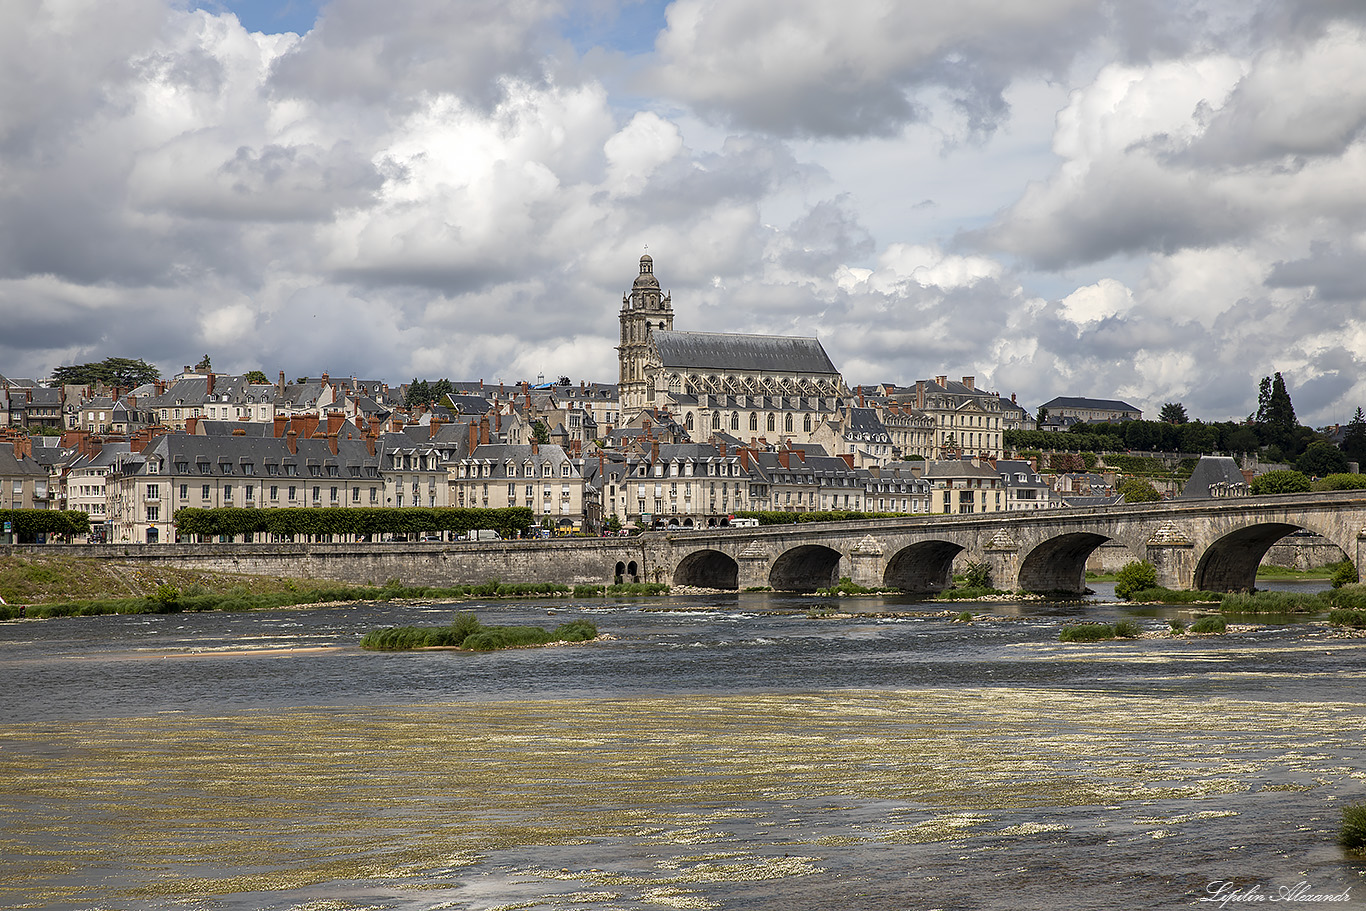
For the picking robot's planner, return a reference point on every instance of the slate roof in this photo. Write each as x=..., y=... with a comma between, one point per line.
x=1067, y=401
x=1212, y=470
x=735, y=352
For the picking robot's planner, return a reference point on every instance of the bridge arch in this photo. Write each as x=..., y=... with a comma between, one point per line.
x=926, y=566
x=1059, y=564
x=1230, y=563
x=708, y=569
x=805, y=569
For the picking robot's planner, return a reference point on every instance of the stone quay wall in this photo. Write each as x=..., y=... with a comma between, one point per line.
x=568, y=561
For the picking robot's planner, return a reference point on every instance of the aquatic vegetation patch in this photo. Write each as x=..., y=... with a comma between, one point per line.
x=1353, y=833
x=466, y=632
x=1086, y=632
x=1356, y=619
x=1213, y=625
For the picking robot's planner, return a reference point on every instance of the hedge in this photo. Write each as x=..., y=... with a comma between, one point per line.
x=341, y=521
x=27, y=524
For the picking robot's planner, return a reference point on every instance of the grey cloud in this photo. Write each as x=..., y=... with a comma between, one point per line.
x=825, y=238
x=847, y=73
x=394, y=53
x=1335, y=274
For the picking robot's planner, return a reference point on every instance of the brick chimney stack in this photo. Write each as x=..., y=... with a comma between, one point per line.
x=211, y=379
x=292, y=442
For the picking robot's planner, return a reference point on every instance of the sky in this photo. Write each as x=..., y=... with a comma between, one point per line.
x=1148, y=200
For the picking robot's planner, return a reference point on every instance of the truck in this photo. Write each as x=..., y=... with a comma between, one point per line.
x=485, y=534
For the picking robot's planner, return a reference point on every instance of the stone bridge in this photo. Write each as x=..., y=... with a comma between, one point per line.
x=1214, y=545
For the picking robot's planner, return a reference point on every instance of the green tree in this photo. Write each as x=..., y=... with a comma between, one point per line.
x=440, y=389
x=1321, y=459
x=1276, y=415
x=204, y=364
x=112, y=371
x=1137, y=490
x=1354, y=440
x=1244, y=439
x=540, y=432
x=1041, y=416
x=1198, y=437
x=1283, y=481
x=1135, y=577
x=419, y=393
x=255, y=376
x=1172, y=413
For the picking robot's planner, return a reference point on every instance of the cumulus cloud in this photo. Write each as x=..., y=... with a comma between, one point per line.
x=434, y=189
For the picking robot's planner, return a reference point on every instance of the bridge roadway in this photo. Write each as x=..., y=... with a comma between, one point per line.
x=1214, y=545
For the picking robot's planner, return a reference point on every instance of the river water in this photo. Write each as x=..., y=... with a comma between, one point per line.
x=728, y=751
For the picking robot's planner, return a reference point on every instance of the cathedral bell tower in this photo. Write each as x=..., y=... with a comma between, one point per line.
x=643, y=311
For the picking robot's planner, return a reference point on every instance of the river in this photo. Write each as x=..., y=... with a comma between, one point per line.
x=726, y=751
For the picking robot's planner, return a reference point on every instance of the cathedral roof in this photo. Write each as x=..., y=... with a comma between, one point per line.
x=747, y=353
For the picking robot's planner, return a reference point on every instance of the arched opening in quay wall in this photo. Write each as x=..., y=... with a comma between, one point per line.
x=708, y=569
x=1230, y=563
x=1059, y=564
x=923, y=567
x=805, y=569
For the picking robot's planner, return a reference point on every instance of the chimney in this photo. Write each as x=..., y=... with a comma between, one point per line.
x=484, y=429
x=722, y=447
x=1012, y=398
x=192, y=426
x=783, y=456
x=324, y=378
x=848, y=459
x=370, y=445
x=942, y=380
x=211, y=379
x=292, y=442
x=278, y=428
x=335, y=420
x=23, y=447
x=332, y=442
x=654, y=451
x=481, y=383
x=920, y=394
x=744, y=460
x=969, y=382
x=474, y=435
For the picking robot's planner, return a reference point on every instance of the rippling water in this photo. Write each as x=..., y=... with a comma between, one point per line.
x=736, y=751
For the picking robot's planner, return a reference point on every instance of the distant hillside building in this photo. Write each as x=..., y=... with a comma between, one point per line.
x=1090, y=411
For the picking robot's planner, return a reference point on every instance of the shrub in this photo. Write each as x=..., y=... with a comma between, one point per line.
x=977, y=575
x=1341, y=482
x=1283, y=481
x=1087, y=632
x=1128, y=629
x=1135, y=577
x=965, y=617
x=1353, y=834
x=1209, y=625
x=1177, y=626
x=1344, y=573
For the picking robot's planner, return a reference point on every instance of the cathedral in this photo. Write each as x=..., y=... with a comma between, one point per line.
x=752, y=387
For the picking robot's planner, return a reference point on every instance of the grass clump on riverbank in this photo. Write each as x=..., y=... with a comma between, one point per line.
x=1344, y=601
x=847, y=586
x=1209, y=626
x=167, y=598
x=1171, y=596
x=621, y=588
x=1097, y=632
x=465, y=632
